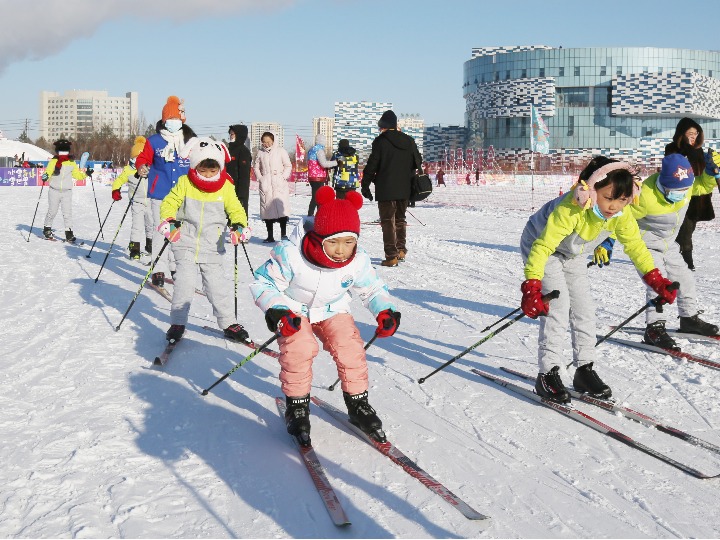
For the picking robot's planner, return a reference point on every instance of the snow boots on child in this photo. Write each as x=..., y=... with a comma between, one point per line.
x=47, y=232
x=587, y=381
x=695, y=325
x=655, y=334
x=158, y=279
x=148, y=246
x=134, y=248
x=550, y=386
x=70, y=237
x=297, y=418
x=364, y=416
x=236, y=332
x=175, y=333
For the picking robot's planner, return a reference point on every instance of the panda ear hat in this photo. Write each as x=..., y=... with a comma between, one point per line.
x=198, y=149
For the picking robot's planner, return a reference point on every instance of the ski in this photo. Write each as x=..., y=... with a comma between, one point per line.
x=162, y=291
x=675, y=354
x=613, y=406
x=251, y=344
x=409, y=466
x=165, y=355
x=586, y=419
x=672, y=333
x=51, y=239
x=319, y=478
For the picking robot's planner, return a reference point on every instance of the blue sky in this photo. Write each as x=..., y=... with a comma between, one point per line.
x=288, y=61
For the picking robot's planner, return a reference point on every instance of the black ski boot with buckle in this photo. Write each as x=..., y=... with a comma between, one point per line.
x=134, y=248
x=695, y=325
x=175, y=333
x=364, y=416
x=297, y=418
x=47, y=233
x=158, y=279
x=550, y=386
x=70, y=237
x=588, y=382
x=236, y=332
x=655, y=334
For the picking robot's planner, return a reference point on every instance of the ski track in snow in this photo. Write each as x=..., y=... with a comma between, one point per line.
x=99, y=443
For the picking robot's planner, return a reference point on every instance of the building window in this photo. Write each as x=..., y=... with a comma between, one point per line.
x=710, y=73
x=497, y=76
x=542, y=72
x=524, y=74
x=576, y=71
x=507, y=75
x=578, y=96
x=612, y=132
x=660, y=70
x=714, y=133
x=601, y=96
x=561, y=72
x=571, y=125
x=619, y=70
x=603, y=71
x=507, y=127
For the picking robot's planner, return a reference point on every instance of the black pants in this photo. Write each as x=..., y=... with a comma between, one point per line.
x=283, y=226
x=314, y=186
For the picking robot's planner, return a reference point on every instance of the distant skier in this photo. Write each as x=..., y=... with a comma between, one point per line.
x=318, y=166
x=552, y=246
x=194, y=216
x=61, y=173
x=304, y=291
x=346, y=176
x=663, y=203
x=142, y=218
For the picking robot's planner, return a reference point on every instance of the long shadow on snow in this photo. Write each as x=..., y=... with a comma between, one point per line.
x=499, y=247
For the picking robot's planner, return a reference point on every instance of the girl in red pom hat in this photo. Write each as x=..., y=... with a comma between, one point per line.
x=303, y=290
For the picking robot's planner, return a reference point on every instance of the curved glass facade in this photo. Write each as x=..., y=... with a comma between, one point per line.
x=614, y=101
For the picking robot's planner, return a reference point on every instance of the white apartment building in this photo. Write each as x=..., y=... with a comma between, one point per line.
x=324, y=125
x=258, y=128
x=84, y=111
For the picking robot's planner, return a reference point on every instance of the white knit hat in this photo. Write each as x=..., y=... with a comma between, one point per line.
x=201, y=148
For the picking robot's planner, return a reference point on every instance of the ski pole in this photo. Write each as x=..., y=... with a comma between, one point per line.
x=248, y=260
x=413, y=215
x=36, y=209
x=96, y=205
x=101, y=228
x=116, y=234
x=152, y=267
x=236, y=280
x=654, y=302
x=513, y=312
x=546, y=298
x=372, y=339
x=240, y=363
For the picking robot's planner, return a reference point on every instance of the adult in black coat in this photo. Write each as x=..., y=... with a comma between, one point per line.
x=239, y=166
x=392, y=163
x=688, y=141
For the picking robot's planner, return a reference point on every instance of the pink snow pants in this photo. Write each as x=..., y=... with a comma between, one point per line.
x=340, y=337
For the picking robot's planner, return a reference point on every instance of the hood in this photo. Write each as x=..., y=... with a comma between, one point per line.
x=397, y=139
x=346, y=151
x=320, y=139
x=241, y=132
x=274, y=144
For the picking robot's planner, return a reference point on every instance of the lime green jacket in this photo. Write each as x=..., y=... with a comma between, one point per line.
x=660, y=219
x=562, y=227
x=204, y=216
x=64, y=179
x=136, y=186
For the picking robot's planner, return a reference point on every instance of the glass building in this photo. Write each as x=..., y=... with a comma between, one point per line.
x=615, y=101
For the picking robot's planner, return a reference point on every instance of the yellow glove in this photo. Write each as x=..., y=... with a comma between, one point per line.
x=603, y=253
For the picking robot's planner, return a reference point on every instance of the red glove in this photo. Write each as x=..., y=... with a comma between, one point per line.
x=116, y=195
x=659, y=284
x=388, y=322
x=282, y=321
x=532, y=303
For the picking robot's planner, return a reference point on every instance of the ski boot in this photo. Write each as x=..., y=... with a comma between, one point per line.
x=655, y=334
x=695, y=325
x=47, y=233
x=158, y=279
x=236, y=332
x=148, y=246
x=364, y=416
x=588, y=382
x=550, y=386
x=70, y=237
x=297, y=418
x=134, y=248
x=175, y=333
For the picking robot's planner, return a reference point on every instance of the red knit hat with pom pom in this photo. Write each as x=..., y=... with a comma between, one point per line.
x=336, y=217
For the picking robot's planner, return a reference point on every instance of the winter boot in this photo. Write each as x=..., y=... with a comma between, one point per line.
x=297, y=418
x=134, y=248
x=688, y=258
x=655, y=334
x=695, y=325
x=236, y=332
x=390, y=262
x=148, y=246
x=47, y=232
x=69, y=236
x=401, y=255
x=158, y=279
x=550, y=386
x=364, y=416
x=587, y=381
x=175, y=332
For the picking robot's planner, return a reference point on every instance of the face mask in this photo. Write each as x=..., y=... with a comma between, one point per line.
x=173, y=125
x=599, y=213
x=675, y=196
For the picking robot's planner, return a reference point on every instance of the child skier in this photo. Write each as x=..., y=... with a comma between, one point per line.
x=194, y=216
x=61, y=173
x=346, y=177
x=565, y=227
x=303, y=290
x=142, y=218
x=662, y=206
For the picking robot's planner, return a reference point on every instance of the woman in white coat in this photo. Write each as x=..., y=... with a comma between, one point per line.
x=272, y=170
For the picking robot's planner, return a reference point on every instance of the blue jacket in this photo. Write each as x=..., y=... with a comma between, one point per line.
x=163, y=175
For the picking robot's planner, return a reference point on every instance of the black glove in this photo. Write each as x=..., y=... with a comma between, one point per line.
x=365, y=190
x=290, y=321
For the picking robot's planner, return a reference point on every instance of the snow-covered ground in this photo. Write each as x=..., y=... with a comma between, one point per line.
x=96, y=442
